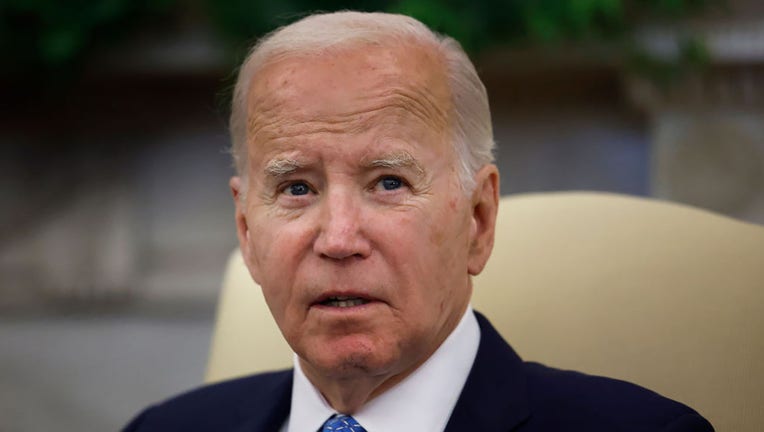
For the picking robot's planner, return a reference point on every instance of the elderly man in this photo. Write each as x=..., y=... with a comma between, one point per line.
x=365, y=201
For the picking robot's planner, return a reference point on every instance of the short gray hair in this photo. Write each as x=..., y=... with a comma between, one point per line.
x=472, y=134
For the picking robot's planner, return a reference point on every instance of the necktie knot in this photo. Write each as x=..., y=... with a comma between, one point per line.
x=342, y=423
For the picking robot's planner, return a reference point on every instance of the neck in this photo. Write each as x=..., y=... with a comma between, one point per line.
x=347, y=395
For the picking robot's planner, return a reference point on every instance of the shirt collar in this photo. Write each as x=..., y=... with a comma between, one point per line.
x=422, y=401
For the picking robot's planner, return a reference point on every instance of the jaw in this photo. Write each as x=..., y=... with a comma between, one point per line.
x=351, y=369
x=348, y=384
x=346, y=355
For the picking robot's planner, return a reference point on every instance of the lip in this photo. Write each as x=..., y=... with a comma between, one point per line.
x=320, y=301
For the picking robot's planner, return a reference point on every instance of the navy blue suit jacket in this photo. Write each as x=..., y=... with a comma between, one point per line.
x=502, y=393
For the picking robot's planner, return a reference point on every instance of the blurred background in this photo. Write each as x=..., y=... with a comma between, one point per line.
x=115, y=215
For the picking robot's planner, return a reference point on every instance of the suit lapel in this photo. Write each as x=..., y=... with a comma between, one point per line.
x=494, y=397
x=267, y=409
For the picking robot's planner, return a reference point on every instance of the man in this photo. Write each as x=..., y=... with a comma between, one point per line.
x=365, y=201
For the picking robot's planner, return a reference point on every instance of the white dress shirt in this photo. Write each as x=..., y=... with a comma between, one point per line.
x=422, y=402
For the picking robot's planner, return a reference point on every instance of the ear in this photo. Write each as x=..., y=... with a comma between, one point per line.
x=485, y=204
x=242, y=227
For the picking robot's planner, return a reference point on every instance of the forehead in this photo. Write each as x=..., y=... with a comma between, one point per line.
x=350, y=88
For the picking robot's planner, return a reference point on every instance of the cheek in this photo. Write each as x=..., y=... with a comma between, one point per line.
x=275, y=251
x=428, y=250
x=447, y=227
x=449, y=243
x=272, y=242
x=452, y=203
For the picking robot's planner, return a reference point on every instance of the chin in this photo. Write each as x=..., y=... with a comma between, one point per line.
x=352, y=362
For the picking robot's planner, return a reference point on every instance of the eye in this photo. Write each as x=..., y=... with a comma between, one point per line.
x=297, y=188
x=390, y=183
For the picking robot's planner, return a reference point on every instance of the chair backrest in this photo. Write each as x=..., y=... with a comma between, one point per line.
x=664, y=295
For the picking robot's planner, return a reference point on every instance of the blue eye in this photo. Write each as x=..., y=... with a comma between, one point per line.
x=298, y=189
x=391, y=183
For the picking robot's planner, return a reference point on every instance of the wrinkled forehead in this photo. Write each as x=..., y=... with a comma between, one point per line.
x=334, y=82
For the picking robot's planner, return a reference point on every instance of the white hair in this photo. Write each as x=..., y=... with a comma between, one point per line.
x=472, y=134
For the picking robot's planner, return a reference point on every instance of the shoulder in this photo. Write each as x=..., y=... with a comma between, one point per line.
x=558, y=397
x=217, y=407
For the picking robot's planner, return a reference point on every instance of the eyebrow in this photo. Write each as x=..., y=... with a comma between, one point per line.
x=281, y=167
x=396, y=160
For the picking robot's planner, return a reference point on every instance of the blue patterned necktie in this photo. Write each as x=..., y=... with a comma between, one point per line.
x=342, y=423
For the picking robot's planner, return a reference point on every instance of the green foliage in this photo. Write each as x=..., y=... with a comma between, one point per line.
x=484, y=24
x=247, y=19
x=488, y=22
x=460, y=21
x=49, y=34
x=54, y=35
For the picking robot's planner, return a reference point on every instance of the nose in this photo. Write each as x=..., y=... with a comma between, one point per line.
x=341, y=234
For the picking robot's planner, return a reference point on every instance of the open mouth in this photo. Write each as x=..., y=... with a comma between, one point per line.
x=344, y=301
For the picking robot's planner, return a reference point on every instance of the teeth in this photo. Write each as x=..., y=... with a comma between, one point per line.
x=343, y=301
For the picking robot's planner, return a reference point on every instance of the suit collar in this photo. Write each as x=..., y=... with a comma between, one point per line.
x=495, y=395
x=268, y=407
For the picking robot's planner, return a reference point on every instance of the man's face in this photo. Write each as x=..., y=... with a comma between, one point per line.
x=354, y=223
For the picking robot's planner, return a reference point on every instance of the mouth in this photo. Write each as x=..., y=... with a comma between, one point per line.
x=343, y=301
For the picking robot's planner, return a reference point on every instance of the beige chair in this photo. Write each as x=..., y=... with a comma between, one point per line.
x=664, y=295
